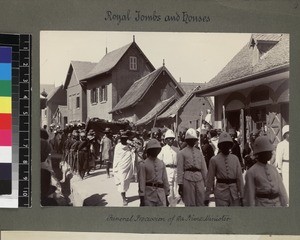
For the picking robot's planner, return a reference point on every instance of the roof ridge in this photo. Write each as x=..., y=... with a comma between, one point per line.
x=90, y=74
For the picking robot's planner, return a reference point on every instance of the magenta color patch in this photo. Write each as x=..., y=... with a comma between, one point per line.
x=5, y=138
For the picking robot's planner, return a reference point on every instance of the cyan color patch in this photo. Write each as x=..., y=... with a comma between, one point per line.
x=5, y=71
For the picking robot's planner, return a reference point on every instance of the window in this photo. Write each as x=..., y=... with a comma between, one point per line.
x=132, y=63
x=77, y=102
x=103, y=94
x=94, y=95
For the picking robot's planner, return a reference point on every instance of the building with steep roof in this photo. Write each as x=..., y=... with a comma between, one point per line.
x=108, y=81
x=57, y=97
x=187, y=112
x=76, y=92
x=252, y=91
x=147, y=97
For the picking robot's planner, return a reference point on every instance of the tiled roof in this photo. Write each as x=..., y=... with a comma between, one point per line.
x=172, y=110
x=81, y=68
x=139, y=88
x=108, y=61
x=111, y=59
x=158, y=108
x=266, y=37
x=53, y=92
x=188, y=86
x=241, y=65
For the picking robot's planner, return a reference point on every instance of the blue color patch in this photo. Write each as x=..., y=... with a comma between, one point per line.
x=5, y=54
x=5, y=71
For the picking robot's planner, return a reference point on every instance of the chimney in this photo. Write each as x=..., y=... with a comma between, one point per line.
x=180, y=79
x=105, y=50
x=133, y=38
x=163, y=62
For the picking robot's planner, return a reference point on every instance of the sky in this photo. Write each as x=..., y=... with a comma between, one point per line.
x=191, y=57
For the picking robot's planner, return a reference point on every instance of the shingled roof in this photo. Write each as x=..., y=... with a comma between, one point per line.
x=241, y=66
x=110, y=60
x=172, y=111
x=188, y=86
x=266, y=37
x=158, y=108
x=54, y=92
x=80, y=68
x=140, y=87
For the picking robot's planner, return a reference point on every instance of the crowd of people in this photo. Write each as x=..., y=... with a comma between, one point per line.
x=191, y=168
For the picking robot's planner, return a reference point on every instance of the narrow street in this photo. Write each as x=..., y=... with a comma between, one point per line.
x=95, y=189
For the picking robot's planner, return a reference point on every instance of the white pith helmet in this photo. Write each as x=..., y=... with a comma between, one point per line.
x=169, y=134
x=191, y=134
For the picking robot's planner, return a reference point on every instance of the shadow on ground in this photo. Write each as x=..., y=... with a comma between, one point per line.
x=95, y=200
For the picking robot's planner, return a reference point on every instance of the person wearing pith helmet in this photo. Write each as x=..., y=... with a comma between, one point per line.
x=191, y=171
x=282, y=157
x=153, y=181
x=264, y=186
x=106, y=148
x=168, y=155
x=226, y=168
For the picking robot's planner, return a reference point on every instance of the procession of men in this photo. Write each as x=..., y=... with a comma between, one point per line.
x=191, y=169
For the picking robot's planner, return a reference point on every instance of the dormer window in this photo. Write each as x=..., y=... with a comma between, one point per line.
x=132, y=63
x=261, y=44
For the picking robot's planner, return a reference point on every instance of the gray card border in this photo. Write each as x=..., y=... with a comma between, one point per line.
x=32, y=16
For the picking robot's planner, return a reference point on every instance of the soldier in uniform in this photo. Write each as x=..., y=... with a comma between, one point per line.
x=106, y=148
x=64, y=164
x=191, y=172
x=168, y=155
x=226, y=168
x=154, y=186
x=74, y=153
x=236, y=150
x=83, y=154
x=264, y=186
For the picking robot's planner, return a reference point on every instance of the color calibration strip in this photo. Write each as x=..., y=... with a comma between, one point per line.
x=20, y=105
x=5, y=120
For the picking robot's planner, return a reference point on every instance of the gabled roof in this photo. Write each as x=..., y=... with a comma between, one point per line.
x=188, y=86
x=241, y=67
x=158, y=108
x=172, y=111
x=265, y=37
x=111, y=59
x=140, y=87
x=80, y=70
x=54, y=92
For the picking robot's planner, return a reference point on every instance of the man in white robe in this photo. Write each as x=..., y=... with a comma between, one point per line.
x=123, y=166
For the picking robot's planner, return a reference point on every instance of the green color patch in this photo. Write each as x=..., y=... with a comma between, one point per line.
x=5, y=88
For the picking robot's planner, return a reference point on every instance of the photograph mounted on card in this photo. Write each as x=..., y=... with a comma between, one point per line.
x=164, y=119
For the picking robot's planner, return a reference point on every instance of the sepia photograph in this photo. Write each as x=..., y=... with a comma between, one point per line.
x=164, y=119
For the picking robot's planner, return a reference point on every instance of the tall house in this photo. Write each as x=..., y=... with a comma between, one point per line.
x=76, y=93
x=109, y=79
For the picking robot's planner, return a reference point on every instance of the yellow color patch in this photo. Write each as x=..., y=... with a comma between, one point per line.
x=5, y=104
